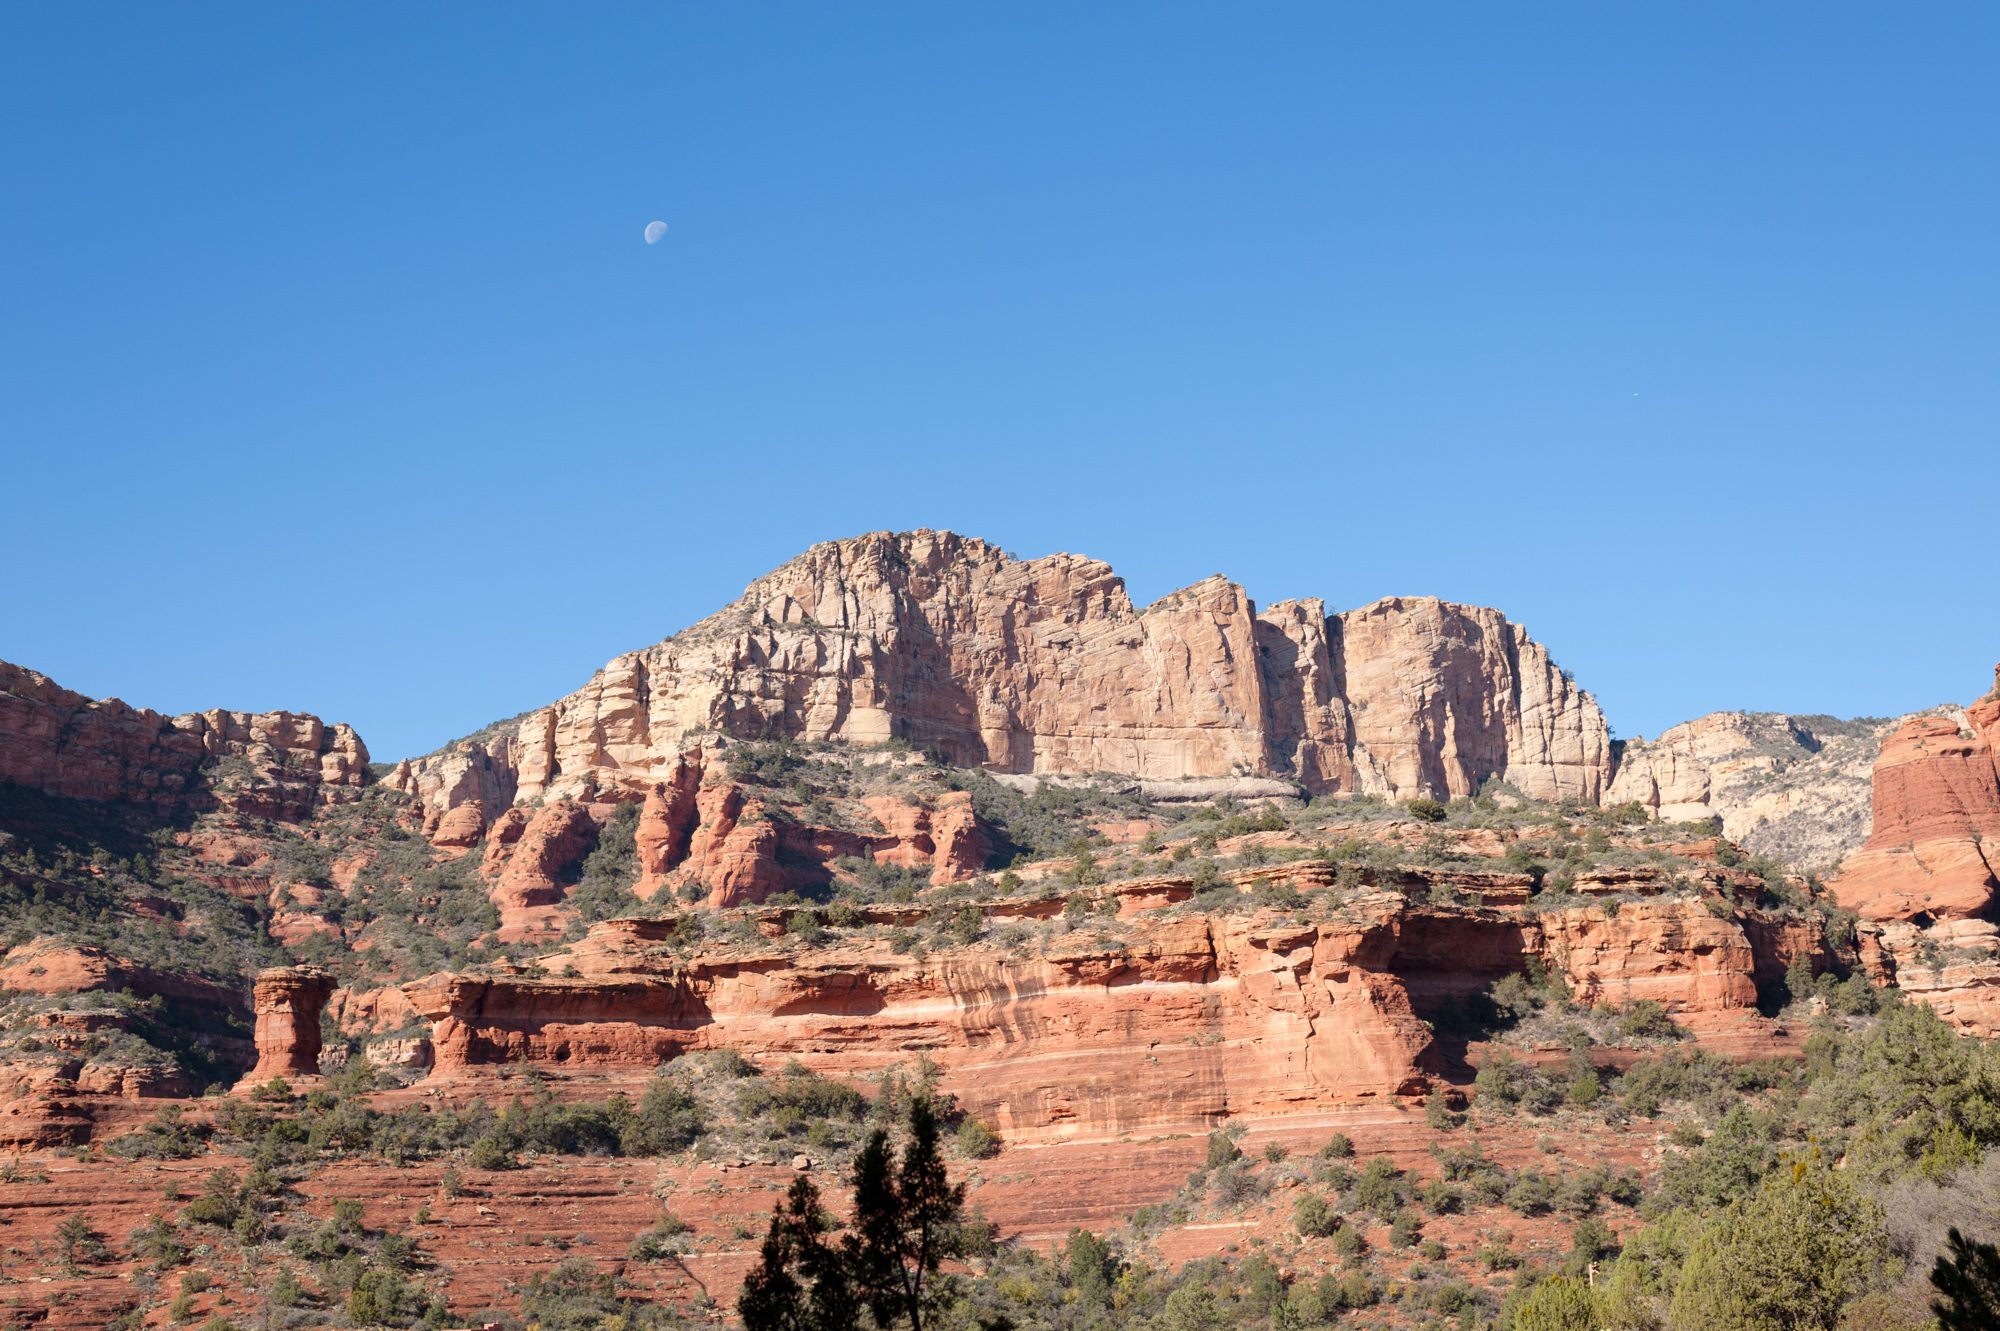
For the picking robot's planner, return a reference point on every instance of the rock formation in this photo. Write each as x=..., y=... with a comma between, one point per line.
x=1789, y=786
x=1204, y=1018
x=1927, y=883
x=62, y=743
x=1189, y=1019
x=1937, y=818
x=1045, y=666
x=536, y=866
x=288, y=1001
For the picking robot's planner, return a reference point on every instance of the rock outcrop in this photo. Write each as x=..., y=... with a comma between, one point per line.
x=263, y=764
x=1200, y=1019
x=1927, y=883
x=1045, y=666
x=536, y=868
x=1185, y=1020
x=1789, y=786
x=1937, y=822
x=288, y=1001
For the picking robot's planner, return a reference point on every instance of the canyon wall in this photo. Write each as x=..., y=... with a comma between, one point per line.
x=1197, y=1019
x=62, y=743
x=1045, y=666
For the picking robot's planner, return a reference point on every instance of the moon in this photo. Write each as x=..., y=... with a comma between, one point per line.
x=654, y=230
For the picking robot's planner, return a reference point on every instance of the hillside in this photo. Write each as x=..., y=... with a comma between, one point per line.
x=1184, y=915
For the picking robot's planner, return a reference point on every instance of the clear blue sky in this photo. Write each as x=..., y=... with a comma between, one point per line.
x=335, y=375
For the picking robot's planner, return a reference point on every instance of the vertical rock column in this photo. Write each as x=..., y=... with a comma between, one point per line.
x=288, y=1001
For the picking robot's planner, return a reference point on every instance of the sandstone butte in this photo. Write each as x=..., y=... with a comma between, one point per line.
x=1045, y=666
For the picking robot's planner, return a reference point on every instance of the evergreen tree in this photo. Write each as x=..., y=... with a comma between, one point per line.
x=800, y=1281
x=1560, y=1303
x=1791, y=1255
x=1968, y=1284
x=905, y=1223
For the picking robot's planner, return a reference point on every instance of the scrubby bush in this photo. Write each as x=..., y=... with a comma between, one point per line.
x=976, y=1141
x=1312, y=1217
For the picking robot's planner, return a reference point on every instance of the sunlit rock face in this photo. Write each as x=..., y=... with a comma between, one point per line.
x=278, y=765
x=1045, y=666
x=1927, y=882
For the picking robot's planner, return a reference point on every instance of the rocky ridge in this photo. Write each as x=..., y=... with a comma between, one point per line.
x=1796, y=787
x=62, y=743
x=1046, y=667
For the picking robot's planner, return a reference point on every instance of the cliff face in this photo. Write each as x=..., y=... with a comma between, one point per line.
x=1937, y=818
x=1189, y=1019
x=1927, y=883
x=62, y=743
x=1045, y=666
x=1793, y=787
x=1199, y=1019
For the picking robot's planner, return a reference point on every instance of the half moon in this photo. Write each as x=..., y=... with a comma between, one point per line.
x=654, y=230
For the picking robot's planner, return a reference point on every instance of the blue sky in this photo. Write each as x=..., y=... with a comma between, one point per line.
x=337, y=375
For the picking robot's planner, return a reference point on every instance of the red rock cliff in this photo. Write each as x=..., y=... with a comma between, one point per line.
x=1937, y=821
x=1186, y=1020
x=1200, y=1019
x=1927, y=883
x=62, y=743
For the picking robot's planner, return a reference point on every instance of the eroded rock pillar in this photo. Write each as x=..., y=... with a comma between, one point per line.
x=288, y=1001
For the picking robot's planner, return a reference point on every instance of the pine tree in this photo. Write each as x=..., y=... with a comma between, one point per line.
x=800, y=1282
x=905, y=1225
x=1968, y=1285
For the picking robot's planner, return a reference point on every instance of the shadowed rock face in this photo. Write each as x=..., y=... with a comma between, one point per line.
x=62, y=743
x=1045, y=666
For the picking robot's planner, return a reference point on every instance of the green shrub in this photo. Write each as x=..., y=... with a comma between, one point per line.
x=668, y=1119
x=491, y=1152
x=1312, y=1217
x=1379, y=1187
x=976, y=1141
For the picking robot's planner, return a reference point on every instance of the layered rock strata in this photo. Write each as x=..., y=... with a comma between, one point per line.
x=1199, y=1019
x=1179, y=1023
x=1927, y=883
x=288, y=1001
